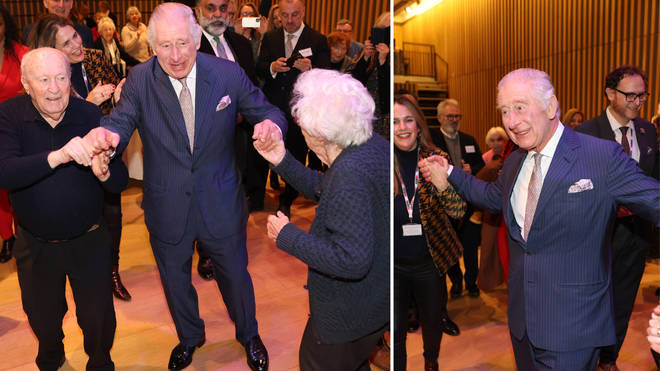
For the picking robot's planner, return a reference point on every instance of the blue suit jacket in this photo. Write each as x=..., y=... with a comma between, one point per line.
x=560, y=279
x=172, y=175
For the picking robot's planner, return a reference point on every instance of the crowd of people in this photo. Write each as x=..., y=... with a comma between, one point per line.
x=220, y=95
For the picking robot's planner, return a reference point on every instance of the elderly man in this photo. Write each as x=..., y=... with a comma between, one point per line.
x=185, y=104
x=63, y=9
x=558, y=194
x=346, y=26
x=304, y=49
x=625, y=89
x=58, y=205
x=463, y=151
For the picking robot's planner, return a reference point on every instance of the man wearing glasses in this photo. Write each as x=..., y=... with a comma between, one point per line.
x=625, y=89
x=464, y=153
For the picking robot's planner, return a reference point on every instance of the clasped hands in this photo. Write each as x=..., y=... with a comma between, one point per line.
x=94, y=150
x=435, y=169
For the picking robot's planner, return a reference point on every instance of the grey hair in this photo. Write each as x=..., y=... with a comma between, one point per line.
x=132, y=9
x=447, y=102
x=494, y=131
x=30, y=57
x=172, y=9
x=334, y=106
x=106, y=22
x=539, y=82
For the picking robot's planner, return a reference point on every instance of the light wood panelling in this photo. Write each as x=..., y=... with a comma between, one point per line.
x=576, y=42
x=320, y=14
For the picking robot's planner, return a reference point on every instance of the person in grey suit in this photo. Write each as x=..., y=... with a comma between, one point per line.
x=558, y=194
x=625, y=89
x=184, y=104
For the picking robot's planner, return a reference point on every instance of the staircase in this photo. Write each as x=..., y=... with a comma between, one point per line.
x=427, y=91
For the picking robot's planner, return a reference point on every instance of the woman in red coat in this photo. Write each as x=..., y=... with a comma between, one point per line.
x=10, y=86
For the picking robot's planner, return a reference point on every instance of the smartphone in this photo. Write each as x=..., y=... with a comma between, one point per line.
x=251, y=22
x=293, y=58
x=380, y=35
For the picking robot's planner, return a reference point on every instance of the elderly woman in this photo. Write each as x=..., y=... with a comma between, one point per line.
x=134, y=36
x=425, y=243
x=495, y=139
x=94, y=80
x=112, y=49
x=340, y=44
x=347, y=246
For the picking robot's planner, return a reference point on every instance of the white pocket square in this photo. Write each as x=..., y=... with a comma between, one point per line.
x=581, y=185
x=224, y=102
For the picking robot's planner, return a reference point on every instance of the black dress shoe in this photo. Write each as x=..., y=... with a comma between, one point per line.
x=430, y=365
x=205, y=268
x=182, y=355
x=286, y=209
x=118, y=289
x=257, y=355
x=7, y=247
x=449, y=327
x=473, y=291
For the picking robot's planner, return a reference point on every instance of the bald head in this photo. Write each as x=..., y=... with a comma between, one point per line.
x=46, y=77
x=292, y=13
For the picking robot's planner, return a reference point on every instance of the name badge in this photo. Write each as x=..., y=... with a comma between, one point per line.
x=470, y=149
x=307, y=52
x=412, y=229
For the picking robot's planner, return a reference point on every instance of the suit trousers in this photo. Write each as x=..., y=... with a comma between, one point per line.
x=112, y=218
x=349, y=356
x=229, y=258
x=630, y=245
x=422, y=282
x=43, y=268
x=530, y=358
x=470, y=236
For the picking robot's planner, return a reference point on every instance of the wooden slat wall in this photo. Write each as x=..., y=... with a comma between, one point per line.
x=576, y=42
x=320, y=14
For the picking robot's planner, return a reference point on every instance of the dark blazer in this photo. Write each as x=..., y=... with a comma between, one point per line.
x=474, y=158
x=645, y=134
x=172, y=174
x=240, y=47
x=278, y=90
x=560, y=289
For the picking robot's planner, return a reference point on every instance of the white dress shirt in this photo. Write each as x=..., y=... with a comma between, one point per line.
x=191, y=80
x=632, y=138
x=294, y=42
x=520, y=188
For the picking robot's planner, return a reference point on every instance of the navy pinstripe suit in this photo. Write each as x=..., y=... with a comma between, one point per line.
x=199, y=195
x=560, y=292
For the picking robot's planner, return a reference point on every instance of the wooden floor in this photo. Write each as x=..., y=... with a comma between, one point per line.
x=145, y=333
x=484, y=343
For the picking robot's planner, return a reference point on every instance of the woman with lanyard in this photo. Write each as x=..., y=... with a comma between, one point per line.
x=94, y=80
x=425, y=244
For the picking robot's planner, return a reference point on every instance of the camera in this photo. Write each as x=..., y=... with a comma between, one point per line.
x=251, y=22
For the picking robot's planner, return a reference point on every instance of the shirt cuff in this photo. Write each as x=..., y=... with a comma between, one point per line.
x=451, y=167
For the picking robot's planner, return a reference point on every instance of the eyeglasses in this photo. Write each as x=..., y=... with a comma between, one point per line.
x=454, y=117
x=630, y=97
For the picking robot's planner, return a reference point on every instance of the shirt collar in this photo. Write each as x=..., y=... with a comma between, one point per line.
x=551, y=146
x=447, y=134
x=297, y=33
x=614, y=124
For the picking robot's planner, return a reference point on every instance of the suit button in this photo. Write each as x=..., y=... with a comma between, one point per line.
x=193, y=170
x=187, y=193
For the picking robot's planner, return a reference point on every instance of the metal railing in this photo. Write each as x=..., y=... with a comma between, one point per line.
x=417, y=59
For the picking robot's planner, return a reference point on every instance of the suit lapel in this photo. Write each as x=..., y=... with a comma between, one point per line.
x=562, y=162
x=205, y=87
x=166, y=94
x=645, y=147
x=604, y=127
x=518, y=156
x=303, y=41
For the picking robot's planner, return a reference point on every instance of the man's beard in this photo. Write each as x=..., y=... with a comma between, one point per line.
x=215, y=26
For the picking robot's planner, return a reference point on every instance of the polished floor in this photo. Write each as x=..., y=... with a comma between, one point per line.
x=145, y=332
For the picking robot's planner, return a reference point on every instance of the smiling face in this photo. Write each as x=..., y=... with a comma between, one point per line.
x=68, y=41
x=175, y=45
x=47, y=81
x=450, y=119
x=525, y=120
x=496, y=143
x=623, y=110
x=213, y=16
x=134, y=18
x=406, y=130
